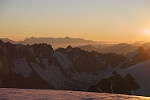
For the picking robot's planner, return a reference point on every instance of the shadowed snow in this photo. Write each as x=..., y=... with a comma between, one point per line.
x=22, y=67
x=141, y=74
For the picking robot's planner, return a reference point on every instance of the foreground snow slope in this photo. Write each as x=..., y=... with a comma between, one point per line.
x=31, y=94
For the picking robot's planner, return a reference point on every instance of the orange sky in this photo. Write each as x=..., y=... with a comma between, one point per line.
x=101, y=20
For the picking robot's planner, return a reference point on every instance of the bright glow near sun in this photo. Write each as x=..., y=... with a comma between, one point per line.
x=146, y=32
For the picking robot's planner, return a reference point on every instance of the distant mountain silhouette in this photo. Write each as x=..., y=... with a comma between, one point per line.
x=120, y=48
x=141, y=56
x=8, y=40
x=146, y=45
x=58, y=42
x=88, y=45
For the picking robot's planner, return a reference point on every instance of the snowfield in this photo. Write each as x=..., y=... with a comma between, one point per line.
x=141, y=74
x=32, y=94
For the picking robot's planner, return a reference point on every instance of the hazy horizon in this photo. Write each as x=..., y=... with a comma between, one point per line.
x=98, y=20
x=103, y=41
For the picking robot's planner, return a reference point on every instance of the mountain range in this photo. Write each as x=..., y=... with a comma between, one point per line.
x=56, y=42
x=39, y=66
x=119, y=48
x=88, y=45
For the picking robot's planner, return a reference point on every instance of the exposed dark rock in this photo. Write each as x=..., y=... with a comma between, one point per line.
x=116, y=84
